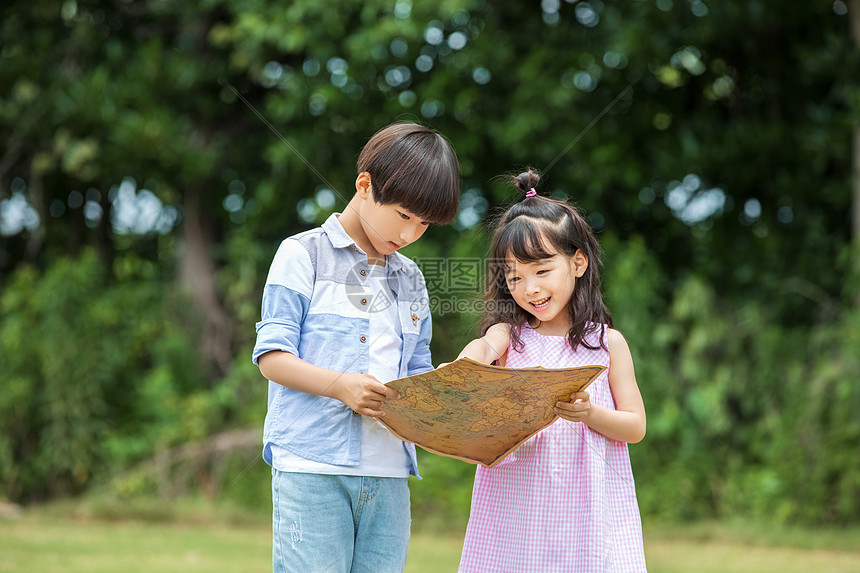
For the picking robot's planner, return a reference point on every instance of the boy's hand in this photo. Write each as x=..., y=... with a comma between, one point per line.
x=577, y=410
x=363, y=393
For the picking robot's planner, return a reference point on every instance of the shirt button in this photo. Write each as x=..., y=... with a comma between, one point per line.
x=362, y=272
x=363, y=339
x=364, y=301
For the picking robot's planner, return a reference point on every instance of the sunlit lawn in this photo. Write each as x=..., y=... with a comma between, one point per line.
x=47, y=544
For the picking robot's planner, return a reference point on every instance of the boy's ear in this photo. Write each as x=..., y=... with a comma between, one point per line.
x=580, y=263
x=363, y=186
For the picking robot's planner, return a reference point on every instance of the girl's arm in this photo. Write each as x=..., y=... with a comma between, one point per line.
x=627, y=422
x=490, y=346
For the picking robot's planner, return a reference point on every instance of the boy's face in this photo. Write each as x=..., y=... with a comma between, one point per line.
x=388, y=227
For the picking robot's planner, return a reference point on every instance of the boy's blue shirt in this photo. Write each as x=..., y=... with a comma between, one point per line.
x=315, y=306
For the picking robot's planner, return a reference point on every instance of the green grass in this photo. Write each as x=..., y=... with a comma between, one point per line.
x=50, y=545
x=699, y=548
x=191, y=537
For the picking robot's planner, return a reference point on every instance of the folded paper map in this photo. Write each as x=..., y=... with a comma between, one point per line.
x=479, y=413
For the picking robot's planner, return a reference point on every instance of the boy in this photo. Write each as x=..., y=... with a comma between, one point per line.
x=342, y=313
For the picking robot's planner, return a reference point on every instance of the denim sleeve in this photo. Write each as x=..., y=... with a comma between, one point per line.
x=284, y=311
x=420, y=361
x=286, y=299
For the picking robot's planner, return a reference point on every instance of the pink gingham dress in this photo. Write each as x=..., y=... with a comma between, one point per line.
x=564, y=501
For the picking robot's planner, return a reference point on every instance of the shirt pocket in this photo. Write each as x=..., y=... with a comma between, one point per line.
x=410, y=317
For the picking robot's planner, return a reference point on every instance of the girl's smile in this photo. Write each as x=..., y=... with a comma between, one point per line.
x=541, y=304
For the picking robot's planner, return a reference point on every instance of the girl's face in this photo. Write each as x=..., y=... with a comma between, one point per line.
x=543, y=288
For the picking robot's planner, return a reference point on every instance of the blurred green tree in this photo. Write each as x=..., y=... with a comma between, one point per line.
x=728, y=148
x=710, y=143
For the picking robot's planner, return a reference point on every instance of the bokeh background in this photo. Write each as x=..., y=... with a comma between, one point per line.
x=155, y=153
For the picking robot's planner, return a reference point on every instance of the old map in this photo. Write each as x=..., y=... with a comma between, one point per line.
x=479, y=413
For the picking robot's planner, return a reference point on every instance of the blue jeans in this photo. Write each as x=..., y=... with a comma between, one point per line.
x=339, y=524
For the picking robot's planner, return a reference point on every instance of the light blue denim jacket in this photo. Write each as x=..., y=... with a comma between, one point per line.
x=315, y=307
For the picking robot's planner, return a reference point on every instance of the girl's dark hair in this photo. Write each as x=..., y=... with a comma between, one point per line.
x=413, y=166
x=537, y=228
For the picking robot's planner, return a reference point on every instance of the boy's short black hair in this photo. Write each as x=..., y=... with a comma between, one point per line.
x=413, y=166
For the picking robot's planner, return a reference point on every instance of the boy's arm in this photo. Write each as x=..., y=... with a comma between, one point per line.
x=286, y=299
x=490, y=346
x=361, y=392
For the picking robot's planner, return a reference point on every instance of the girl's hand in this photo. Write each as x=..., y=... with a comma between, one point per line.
x=577, y=410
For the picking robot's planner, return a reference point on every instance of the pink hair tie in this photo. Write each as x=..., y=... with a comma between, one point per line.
x=531, y=192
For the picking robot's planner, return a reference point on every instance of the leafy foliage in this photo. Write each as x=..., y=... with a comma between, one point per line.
x=745, y=416
x=97, y=377
x=709, y=143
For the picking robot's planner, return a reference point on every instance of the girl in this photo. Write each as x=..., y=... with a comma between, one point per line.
x=565, y=499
